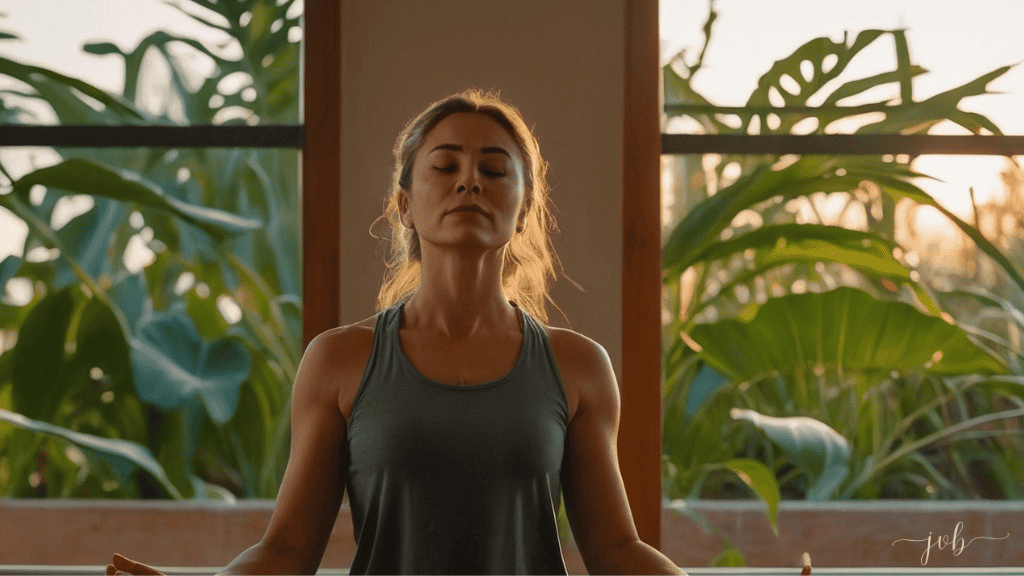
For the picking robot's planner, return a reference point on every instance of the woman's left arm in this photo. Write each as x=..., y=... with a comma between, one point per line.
x=595, y=497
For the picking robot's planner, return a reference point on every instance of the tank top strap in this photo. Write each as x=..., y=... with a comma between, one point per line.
x=539, y=357
x=535, y=372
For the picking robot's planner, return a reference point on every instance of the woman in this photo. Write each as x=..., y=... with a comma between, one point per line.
x=454, y=417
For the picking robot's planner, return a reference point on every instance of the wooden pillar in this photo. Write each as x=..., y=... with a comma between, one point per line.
x=321, y=169
x=640, y=425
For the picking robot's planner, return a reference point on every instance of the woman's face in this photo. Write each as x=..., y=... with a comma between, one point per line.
x=467, y=158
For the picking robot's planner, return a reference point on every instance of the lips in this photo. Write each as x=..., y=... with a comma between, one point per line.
x=468, y=208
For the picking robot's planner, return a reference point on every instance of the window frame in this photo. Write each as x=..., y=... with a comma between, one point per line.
x=317, y=138
x=641, y=326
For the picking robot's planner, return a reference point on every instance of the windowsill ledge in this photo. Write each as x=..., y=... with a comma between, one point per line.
x=77, y=534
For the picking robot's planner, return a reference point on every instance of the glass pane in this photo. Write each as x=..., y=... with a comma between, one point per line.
x=153, y=61
x=850, y=290
x=156, y=298
x=949, y=45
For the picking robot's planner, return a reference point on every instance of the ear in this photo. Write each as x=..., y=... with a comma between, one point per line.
x=403, y=209
x=527, y=204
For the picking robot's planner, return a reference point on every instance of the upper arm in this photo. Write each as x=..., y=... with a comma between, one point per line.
x=314, y=480
x=595, y=496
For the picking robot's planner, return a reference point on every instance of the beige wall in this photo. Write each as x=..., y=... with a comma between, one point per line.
x=560, y=63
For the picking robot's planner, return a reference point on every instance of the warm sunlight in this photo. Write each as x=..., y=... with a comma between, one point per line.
x=953, y=49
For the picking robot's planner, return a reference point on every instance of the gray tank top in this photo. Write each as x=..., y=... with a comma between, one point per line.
x=447, y=479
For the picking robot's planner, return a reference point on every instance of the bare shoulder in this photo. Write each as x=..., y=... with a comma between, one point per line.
x=343, y=352
x=575, y=347
x=579, y=359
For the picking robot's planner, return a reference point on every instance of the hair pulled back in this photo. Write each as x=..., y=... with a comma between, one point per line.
x=529, y=256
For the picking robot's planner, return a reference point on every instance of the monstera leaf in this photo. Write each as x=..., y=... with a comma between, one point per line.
x=843, y=328
x=174, y=365
x=123, y=455
x=818, y=450
x=38, y=367
x=85, y=177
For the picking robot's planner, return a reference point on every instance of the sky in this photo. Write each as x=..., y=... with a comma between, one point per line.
x=955, y=40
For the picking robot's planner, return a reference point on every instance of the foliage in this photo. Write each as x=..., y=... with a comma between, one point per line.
x=129, y=383
x=816, y=350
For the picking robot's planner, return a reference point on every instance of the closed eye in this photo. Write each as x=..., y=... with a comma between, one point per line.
x=450, y=169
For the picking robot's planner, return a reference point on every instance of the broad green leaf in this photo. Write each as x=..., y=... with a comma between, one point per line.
x=780, y=244
x=101, y=343
x=843, y=328
x=814, y=51
x=158, y=40
x=56, y=85
x=854, y=87
x=176, y=448
x=703, y=225
x=87, y=240
x=123, y=454
x=784, y=243
x=821, y=452
x=38, y=363
x=174, y=364
x=679, y=96
x=704, y=386
x=84, y=177
x=898, y=189
x=939, y=107
x=262, y=16
x=762, y=481
x=131, y=295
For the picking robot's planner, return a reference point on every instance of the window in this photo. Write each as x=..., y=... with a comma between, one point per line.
x=764, y=181
x=192, y=175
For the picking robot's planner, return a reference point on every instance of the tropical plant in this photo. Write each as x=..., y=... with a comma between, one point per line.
x=172, y=380
x=813, y=349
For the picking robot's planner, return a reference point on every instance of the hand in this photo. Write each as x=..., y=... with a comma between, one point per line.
x=123, y=565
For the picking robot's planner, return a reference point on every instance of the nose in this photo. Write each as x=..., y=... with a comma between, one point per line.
x=469, y=182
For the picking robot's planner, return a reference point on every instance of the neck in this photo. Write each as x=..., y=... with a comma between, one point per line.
x=460, y=303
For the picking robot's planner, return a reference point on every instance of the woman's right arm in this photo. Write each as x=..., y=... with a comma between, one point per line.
x=314, y=480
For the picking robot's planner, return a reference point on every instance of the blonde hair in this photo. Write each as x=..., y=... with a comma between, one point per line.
x=529, y=256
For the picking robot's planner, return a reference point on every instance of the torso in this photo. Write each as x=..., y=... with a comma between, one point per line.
x=463, y=364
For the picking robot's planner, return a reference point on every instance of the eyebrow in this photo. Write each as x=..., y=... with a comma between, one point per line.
x=485, y=150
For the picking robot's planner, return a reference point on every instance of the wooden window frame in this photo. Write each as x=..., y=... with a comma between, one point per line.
x=641, y=272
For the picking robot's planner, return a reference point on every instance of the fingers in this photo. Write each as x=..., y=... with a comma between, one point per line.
x=123, y=565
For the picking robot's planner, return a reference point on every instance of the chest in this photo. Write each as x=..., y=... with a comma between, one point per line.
x=462, y=363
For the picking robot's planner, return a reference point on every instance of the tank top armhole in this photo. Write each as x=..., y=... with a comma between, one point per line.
x=550, y=352
x=367, y=369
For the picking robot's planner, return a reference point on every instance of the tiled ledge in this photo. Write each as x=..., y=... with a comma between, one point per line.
x=843, y=534
x=77, y=534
